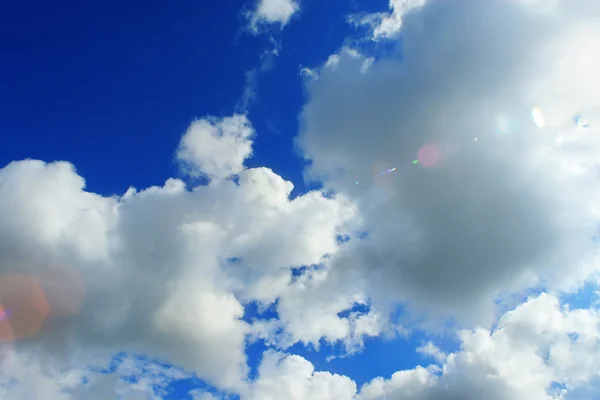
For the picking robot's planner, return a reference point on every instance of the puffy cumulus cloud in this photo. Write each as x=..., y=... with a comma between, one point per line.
x=292, y=377
x=165, y=271
x=313, y=307
x=216, y=148
x=433, y=351
x=272, y=12
x=536, y=348
x=495, y=204
x=71, y=223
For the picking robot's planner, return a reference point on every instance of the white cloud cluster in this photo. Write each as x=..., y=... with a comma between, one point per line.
x=272, y=12
x=536, y=348
x=156, y=264
x=502, y=209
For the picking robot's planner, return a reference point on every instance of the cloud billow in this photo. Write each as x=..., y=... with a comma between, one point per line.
x=499, y=211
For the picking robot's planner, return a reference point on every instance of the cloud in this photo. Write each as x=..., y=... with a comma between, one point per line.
x=201, y=395
x=34, y=375
x=491, y=208
x=310, y=309
x=216, y=148
x=156, y=265
x=387, y=25
x=269, y=12
x=251, y=76
x=535, y=348
x=307, y=73
x=433, y=351
x=292, y=377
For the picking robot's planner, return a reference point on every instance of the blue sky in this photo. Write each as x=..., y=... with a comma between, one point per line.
x=78, y=67
x=113, y=87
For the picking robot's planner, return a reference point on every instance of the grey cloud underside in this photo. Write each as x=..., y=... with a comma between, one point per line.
x=492, y=217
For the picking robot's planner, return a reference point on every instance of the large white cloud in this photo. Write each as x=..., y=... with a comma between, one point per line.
x=509, y=205
x=155, y=265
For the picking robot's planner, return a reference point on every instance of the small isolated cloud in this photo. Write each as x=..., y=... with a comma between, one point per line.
x=216, y=148
x=430, y=349
x=269, y=12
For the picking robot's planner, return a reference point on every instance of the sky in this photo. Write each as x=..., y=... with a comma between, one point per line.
x=300, y=199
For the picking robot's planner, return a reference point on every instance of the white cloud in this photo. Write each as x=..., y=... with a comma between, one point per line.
x=215, y=148
x=273, y=12
x=309, y=311
x=534, y=347
x=154, y=263
x=433, y=351
x=387, y=25
x=308, y=73
x=496, y=215
x=292, y=377
x=36, y=375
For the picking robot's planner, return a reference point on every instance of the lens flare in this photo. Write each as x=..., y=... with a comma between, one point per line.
x=27, y=307
x=4, y=314
x=538, y=117
x=429, y=156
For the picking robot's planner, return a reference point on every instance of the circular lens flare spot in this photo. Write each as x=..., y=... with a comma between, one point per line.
x=3, y=313
x=538, y=117
x=429, y=156
x=24, y=305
